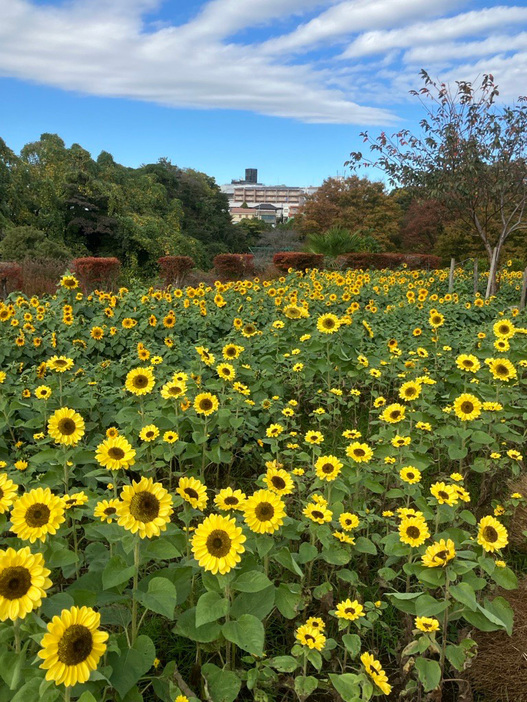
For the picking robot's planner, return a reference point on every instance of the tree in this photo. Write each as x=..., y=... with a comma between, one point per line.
x=422, y=225
x=20, y=243
x=357, y=204
x=471, y=156
x=338, y=240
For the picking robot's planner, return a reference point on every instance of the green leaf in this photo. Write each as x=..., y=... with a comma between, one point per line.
x=468, y=517
x=211, y=607
x=87, y=697
x=186, y=626
x=284, y=664
x=285, y=559
x=247, y=633
x=347, y=686
x=364, y=545
x=252, y=581
x=304, y=686
x=456, y=656
x=258, y=604
x=129, y=666
x=429, y=673
x=116, y=572
x=287, y=600
x=160, y=597
x=428, y=606
x=465, y=594
x=223, y=685
x=352, y=643
x=306, y=553
x=505, y=578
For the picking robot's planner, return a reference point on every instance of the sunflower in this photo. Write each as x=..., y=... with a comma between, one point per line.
x=328, y=323
x=77, y=499
x=69, y=282
x=206, y=403
x=349, y=610
x=436, y=319
x=467, y=407
x=310, y=636
x=393, y=413
x=170, y=437
x=149, y=433
x=66, y=426
x=413, y=531
x=8, y=492
x=23, y=582
x=502, y=369
x=228, y=499
x=36, y=514
x=60, y=364
x=43, y=392
x=344, y=538
x=226, y=371
x=217, y=544
x=410, y=474
x=426, y=624
x=318, y=513
x=314, y=437
x=468, y=362
x=445, y=494
x=376, y=672
x=316, y=623
x=231, y=351
x=72, y=646
x=144, y=508
x=114, y=453
x=193, y=491
x=106, y=510
x=492, y=535
x=410, y=390
x=264, y=512
x=278, y=480
x=173, y=389
x=348, y=521
x=504, y=329
x=439, y=553
x=359, y=452
x=140, y=381
x=97, y=333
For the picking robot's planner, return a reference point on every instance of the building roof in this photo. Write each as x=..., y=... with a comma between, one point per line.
x=242, y=210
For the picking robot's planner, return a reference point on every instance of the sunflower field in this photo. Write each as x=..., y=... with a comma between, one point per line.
x=271, y=490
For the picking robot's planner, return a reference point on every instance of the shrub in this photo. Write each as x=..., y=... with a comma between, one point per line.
x=174, y=269
x=93, y=271
x=297, y=260
x=10, y=277
x=235, y=266
x=339, y=240
x=389, y=260
x=40, y=276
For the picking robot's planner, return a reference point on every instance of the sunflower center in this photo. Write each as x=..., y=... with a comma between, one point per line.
x=205, y=404
x=328, y=468
x=60, y=363
x=395, y=414
x=413, y=532
x=350, y=610
x=359, y=452
x=218, y=543
x=264, y=511
x=231, y=500
x=468, y=364
x=144, y=506
x=37, y=515
x=110, y=510
x=1, y=493
x=467, y=407
x=174, y=390
x=410, y=392
x=191, y=493
x=116, y=453
x=230, y=352
x=14, y=582
x=328, y=324
x=278, y=482
x=140, y=381
x=410, y=476
x=75, y=645
x=490, y=534
x=317, y=514
x=441, y=555
x=502, y=370
x=67, y=426
x=443, y=495
x=308, y=637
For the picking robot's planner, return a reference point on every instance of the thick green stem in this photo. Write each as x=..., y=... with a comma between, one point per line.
x=134, y=592
x=16, y=628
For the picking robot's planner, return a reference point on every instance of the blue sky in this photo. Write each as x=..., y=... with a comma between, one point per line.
x=284, y=86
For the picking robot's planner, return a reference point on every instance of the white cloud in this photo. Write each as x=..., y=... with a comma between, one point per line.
x=104, y=47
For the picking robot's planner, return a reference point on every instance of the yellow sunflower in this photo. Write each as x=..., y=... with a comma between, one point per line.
x=468, y=362
x=114, y=453
x=60, y=364
x=349, y=610
x=492, y=535
x=467, y=407
x=328, y=323
x=413, y=531
x=318, y=513
x=410, y=390
x=106, y=510
x=410, y=474
x=72, y=646
x=426, y=624
x=264, y=512
x=359, y=452
x=226, y=371
x=149, y=433
x=439, y=553
x=8, y=492
x=144, y=508
x=393, y=413
x=193, y=491
x=140, y=381
x=502, y=369
x=43, y=392
x=278, y=480
x=376, y=672
x=173, y=389
x=23, y=582
x=206, y=403
x=349, y=521
x=310, y=636
x=445, y=494
x=217, y=544
x=228, y=499
x=231, y=351
x=36, y=514
x=504, y=329
x=66, y=426
x=328, y=467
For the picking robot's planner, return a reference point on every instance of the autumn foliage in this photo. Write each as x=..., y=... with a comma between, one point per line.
x=297, y=260
x=389, y=260
x=10, y=277
x=93, y=271
x=234, y=266
x=173, y=269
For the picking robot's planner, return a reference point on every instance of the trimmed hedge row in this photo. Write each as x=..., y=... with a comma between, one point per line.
x=234, y=266
x=298, y=260
x=388, y=260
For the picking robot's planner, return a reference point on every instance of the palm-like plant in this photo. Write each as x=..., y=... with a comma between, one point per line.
x=338, y=240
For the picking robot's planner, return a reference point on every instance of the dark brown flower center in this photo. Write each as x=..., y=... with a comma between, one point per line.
x=443, y=495
x=328, y=323
x=317, y=514
x=441, y=555
x=140, y=381
x=191, y=493
x=413, y=532
x=308, y=637
x=37, y=515
x=116, y=453
x=502, y=370
x=264, y=511
x=75, y=645
x=359, y=452
x=467, y=407
x=218, y=543
x=110, y=510
x=350, y=610
x=490, y=534
x=15, y=581
x=60, y=363
x=231, y=500
x=278, y=482
x=144, y=506
x=328, y=468
x=67, y=426
x=205, y=404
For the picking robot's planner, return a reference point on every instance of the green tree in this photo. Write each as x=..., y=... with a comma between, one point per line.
x=471, y=155
x=19, y=243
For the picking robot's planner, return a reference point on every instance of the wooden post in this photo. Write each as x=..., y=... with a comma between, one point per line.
x=451, y=276
x=476, y=276
x=523, y=299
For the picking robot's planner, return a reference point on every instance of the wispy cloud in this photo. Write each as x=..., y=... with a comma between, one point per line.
x=330, y=68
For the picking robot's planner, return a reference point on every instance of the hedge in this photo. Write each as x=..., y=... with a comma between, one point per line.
x=10, y=277
x=234, y=266
x=388, y=260
x=174, y=269
x=299, y=261
x=93, y=271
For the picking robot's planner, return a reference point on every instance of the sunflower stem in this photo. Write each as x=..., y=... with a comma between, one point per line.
x=134, y=592
x=445, y=628
x=16, y=629
x=67, y=694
